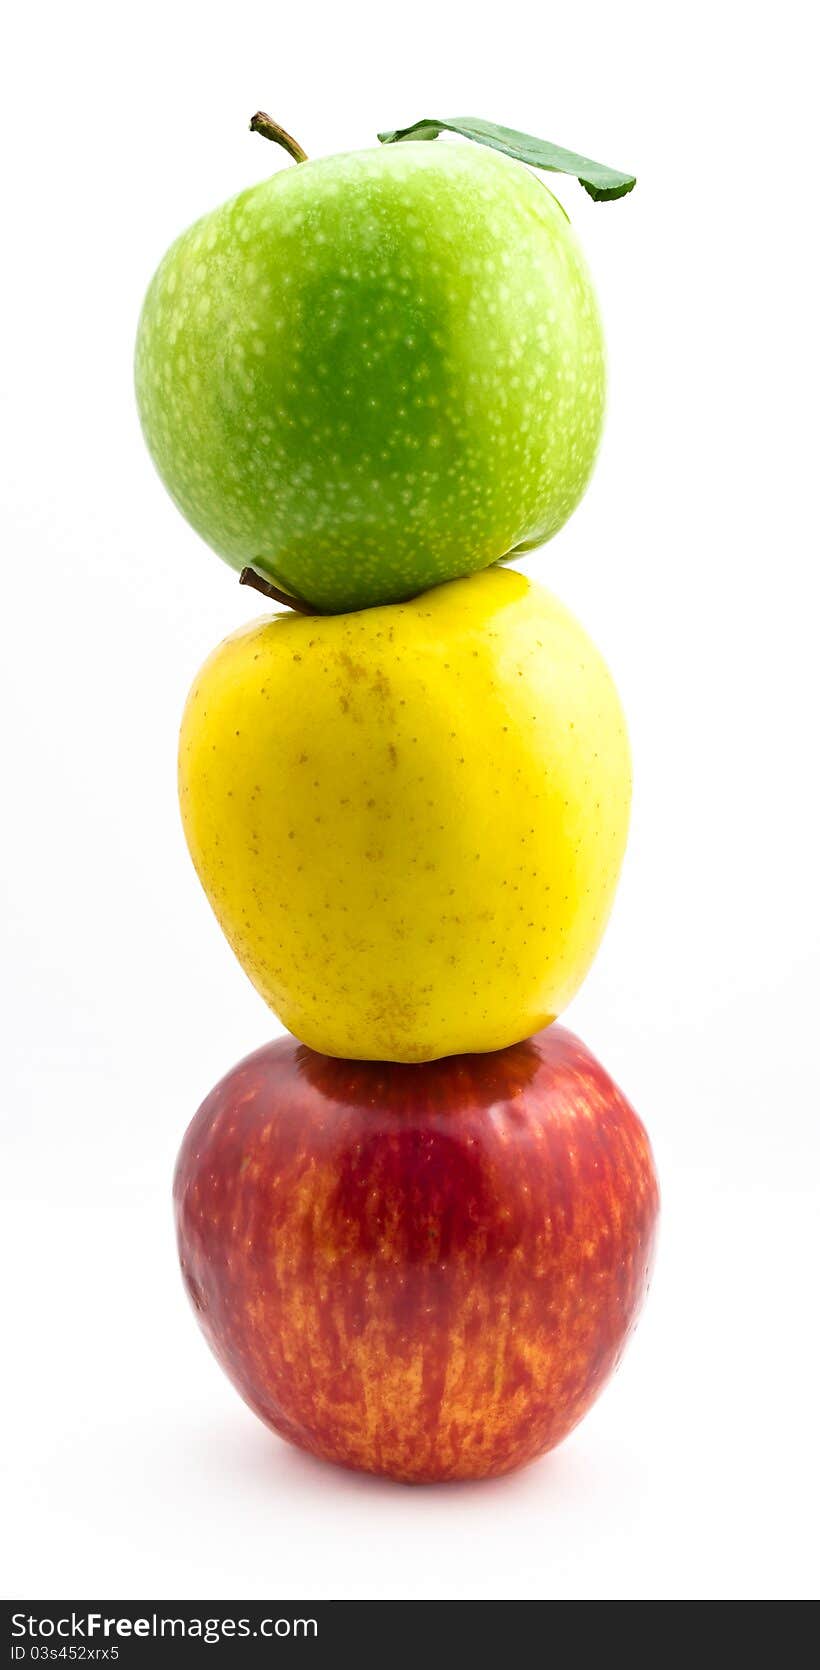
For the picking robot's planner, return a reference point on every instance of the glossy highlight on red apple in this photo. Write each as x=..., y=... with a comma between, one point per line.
x=423, y=1271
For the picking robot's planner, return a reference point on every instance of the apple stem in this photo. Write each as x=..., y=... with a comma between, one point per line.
x=269, y=129
x=249, y=577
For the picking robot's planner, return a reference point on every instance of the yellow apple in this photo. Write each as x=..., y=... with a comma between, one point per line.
x=410, y=820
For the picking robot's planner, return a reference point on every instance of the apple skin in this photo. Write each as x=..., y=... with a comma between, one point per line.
x=426, y=1272
x=375, y=372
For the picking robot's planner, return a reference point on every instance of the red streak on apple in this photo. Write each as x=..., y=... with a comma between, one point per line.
x=427, y=1271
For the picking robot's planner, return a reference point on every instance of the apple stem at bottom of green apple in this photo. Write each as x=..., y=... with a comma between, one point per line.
x=249, y=577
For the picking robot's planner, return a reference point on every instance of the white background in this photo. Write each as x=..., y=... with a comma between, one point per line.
x=132, y=1467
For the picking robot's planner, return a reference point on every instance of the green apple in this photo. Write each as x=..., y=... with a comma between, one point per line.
x=375, y=372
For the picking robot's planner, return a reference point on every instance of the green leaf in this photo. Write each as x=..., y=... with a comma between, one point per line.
x=601, y=183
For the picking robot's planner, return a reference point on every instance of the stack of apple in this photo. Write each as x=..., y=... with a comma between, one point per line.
x=418, y=1232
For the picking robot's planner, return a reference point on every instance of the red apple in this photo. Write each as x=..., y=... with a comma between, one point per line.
x=423, y=1271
